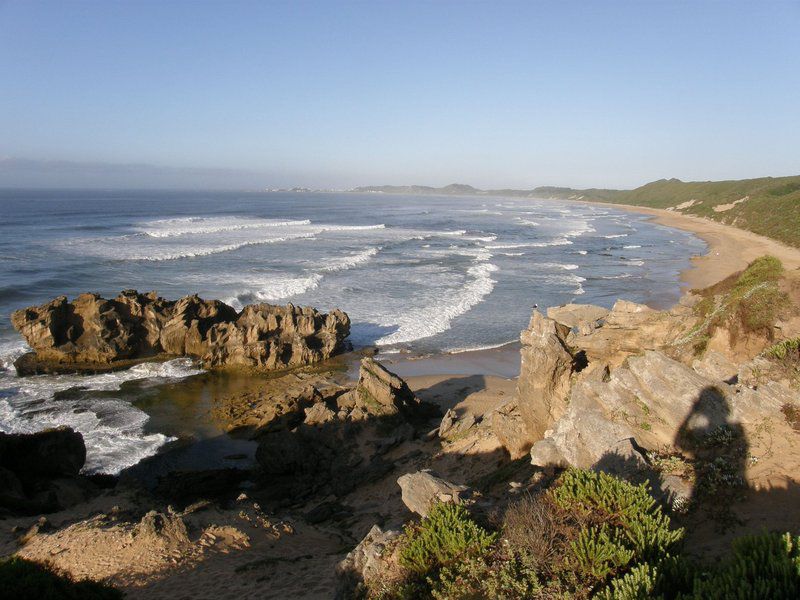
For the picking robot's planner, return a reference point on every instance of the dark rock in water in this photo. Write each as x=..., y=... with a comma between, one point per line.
x=93, y=334
x=39, y=472
x=50, y=453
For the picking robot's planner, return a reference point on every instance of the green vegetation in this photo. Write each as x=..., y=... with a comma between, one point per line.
x=25, y=580
x=768, y=206
x=786, y=349
x=589, y=528
x=444, y=536
x=748, y=302
x=763, y=566
x=590, y=535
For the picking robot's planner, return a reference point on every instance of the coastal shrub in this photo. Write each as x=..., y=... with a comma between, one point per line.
x=667, y=579
x=784, y=349
x=624, y=514
x=22, y=579
x=499, y=574
x=447, y=534
x=745, y=303
x=761, y=566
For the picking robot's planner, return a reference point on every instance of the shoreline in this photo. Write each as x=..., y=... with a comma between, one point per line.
x=730, y=249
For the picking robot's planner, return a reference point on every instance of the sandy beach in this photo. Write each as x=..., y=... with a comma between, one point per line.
x=729, y=249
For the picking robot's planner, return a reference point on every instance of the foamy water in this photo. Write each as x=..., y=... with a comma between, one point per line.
x=419, y=273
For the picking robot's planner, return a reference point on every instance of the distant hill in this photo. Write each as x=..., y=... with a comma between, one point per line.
x=769, y=206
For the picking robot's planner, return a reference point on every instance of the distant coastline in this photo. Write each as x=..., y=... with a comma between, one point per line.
x=767, y=206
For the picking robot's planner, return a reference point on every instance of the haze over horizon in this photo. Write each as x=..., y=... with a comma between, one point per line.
x=338, y=95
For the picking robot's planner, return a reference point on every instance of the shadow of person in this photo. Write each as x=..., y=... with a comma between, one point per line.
x=720, y=449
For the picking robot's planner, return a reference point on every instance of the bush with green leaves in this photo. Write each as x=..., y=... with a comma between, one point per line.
x=627, y=522
x=762, y=567
x=501, y=574
x=22, y=579
x=445, y=535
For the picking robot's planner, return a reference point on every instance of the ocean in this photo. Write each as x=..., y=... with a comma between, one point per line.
x=425, y=274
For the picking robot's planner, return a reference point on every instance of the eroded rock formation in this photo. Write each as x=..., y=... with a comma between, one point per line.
x=93, y=333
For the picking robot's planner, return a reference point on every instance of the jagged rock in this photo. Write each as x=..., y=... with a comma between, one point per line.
x=656, y=402
x=452, y=425
x=379, y=392
x=716, y=366
x=508, y=427
x=319, y=414
x=366, y=562
x=581, y=317
x=419, y=490
x=544, y=376
x=92, y=332
x=628, y=329
x=280, y=405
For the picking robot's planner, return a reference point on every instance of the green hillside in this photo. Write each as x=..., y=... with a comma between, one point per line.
x=769, y=206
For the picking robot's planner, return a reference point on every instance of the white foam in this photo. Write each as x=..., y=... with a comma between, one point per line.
x=616, y=235
x=554, y=242
x=631, y=247
x=204, y=225
x=478, y=348
x=430, y=320
x=348, y=262
x=566, y=267
x=582, y=252
x=113, y=429
x=528, y=222
x=269, y=288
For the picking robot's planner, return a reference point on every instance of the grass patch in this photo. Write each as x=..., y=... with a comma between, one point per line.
x=745, y=303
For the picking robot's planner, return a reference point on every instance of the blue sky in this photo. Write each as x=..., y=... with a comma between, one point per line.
x=518, y=94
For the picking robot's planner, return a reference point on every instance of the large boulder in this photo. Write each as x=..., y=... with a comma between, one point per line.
x=57, y=452
x=379, y=392
x=39, y=472
x=629, y=329
x=544, y=377
x=421, y=489
x=92, y=333
x=652, y=402
x=509, y=429
x=581, y=317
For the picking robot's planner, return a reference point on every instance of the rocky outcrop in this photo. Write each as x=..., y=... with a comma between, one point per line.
x=366, y=563
x=39, y=472
x=652, y=402
x=379, y=392
x=421, y=489
x=581, y=317
x=341, y=438
x=509, y=429
x=544, y=376
x=92, y=333
x=630, y=328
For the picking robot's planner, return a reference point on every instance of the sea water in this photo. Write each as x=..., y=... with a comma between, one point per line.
x=419, y=273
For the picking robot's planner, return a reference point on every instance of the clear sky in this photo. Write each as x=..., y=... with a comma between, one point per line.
x=337, y=94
